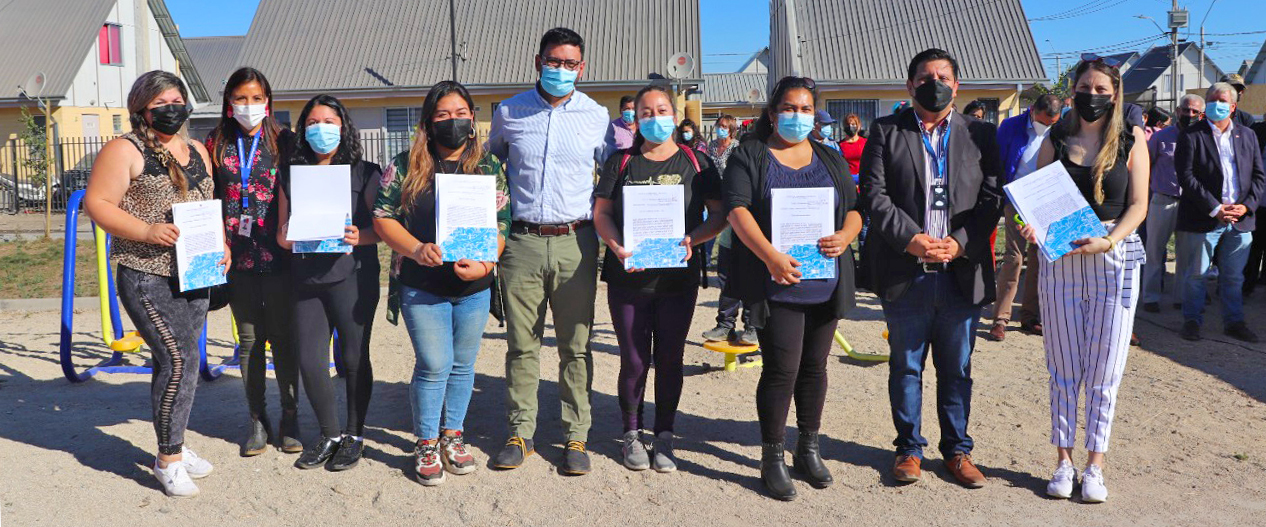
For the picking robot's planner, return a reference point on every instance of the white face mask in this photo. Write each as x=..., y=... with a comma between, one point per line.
x=1040, y=128
x=249, y=115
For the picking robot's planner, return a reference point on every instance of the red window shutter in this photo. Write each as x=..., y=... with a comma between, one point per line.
x=116, y=47
x=103, y=44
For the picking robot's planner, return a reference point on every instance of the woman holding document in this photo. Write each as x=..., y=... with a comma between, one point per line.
x=794, y=206
x=335, y=280
x=246, y=152
x=1090, y=294
x=652, y=279
x=444, y=297
x=134, y=183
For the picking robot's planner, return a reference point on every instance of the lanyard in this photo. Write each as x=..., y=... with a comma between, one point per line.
x=247, y=163
x=942, y=157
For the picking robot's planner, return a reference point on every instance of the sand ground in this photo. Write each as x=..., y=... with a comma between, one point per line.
x=1189, y=445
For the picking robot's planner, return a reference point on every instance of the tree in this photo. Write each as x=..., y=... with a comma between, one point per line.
x=33, y=136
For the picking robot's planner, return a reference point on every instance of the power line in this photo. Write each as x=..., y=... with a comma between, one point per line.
x=1085, y=9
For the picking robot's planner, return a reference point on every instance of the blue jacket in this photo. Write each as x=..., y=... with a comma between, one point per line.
x=1013, y=137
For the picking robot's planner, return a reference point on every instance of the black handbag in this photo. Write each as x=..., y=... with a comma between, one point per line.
x=218, y=296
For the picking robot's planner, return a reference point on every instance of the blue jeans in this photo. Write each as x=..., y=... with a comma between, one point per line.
x=932, y=314
x=1195, y=249
x=446, y=333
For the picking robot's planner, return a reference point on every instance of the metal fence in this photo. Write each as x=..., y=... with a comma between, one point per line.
x=22, y=181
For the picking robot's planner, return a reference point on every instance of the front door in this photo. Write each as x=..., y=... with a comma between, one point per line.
x=92, y=125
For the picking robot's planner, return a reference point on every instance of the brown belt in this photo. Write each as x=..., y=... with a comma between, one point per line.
x=548, y=229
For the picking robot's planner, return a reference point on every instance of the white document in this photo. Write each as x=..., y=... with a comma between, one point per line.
x=320, y=201
x=200, y=246
x=466, y=217
x=654, y=225
x=1049, y=201
x=800, y=217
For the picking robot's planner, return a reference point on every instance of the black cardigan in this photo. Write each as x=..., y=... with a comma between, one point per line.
x=744, y=183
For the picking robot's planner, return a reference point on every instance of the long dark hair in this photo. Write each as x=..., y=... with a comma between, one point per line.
x=422, y=155
x=147, y=88
x=349, y=150
x=638, y=140
x=227, y=129
x=764, y=127
x=695, y=140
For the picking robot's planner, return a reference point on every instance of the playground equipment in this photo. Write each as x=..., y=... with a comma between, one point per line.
x=732, y=352
x=112, y=332
x=853, y=354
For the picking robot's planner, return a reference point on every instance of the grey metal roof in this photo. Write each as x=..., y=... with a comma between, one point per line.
x=47, y=36
x=1153, y=64
x=332, y=45
x=215, y=58
x=732, y=89
x=1255, y=73
x=872, y=41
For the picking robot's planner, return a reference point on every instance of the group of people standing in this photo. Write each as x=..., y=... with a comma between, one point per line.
x=927, y=179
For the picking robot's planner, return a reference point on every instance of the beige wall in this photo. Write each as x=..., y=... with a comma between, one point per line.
x=1253, y=100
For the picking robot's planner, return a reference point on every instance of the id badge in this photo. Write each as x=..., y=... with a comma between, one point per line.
x=940, y=199
x=244, y=227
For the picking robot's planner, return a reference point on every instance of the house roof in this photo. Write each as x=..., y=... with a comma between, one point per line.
x=392, y=45
x=732, y=89
x=171, y=33
x=30, y=45
x=872, y=41
x=1257, y=71
x=215, y=58
x=1149, y=67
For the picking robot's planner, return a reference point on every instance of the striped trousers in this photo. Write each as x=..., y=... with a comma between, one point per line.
x=1088, y=303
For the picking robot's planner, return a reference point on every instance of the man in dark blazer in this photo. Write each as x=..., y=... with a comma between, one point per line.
x=1220, y=171
x=933, y=202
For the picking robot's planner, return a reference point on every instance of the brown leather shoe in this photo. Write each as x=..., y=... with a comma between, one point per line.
x=906, y=469
x=965, y=471
x=999, y=330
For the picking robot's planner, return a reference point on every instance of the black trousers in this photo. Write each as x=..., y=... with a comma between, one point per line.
x=1253, y=269
x=261, y=305
x=349, y=307
x=795, y=344
x=727, y=304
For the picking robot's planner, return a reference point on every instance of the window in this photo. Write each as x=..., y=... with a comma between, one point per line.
x=109, y=45
x=117, y=121
x=402, y=120
x=1165, y=88
x=991, y=109
x=866, y=110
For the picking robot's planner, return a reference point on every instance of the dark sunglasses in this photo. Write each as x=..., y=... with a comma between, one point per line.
x=1110, y=62
x=798, y=82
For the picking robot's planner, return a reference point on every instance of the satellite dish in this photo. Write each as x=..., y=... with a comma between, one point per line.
x=753, y=97
x=34, y=85
x=679, y=66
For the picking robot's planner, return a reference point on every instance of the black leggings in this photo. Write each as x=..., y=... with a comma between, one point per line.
x=795, y=343
x=349, y=307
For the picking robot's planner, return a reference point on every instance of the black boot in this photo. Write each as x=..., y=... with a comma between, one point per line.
x=808, y=461
x=773, y=472
x=257, y=442
x=289, y=432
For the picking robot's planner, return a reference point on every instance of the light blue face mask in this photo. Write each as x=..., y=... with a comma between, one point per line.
x=1217, y=110
x=686, y=136
x=558, y=81
x=794, y=127
x=657, y=129
x=323, y=137
x=723, y=133
x=627, y=115
x=826, y=131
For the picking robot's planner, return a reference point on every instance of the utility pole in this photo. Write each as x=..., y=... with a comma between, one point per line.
x=1200, y=81
x=452, y=36
x=1177, y=19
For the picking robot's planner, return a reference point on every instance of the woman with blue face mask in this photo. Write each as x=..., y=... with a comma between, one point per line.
x=333, y=289
x=651, y=309
x=797, y=317
x=688, y=134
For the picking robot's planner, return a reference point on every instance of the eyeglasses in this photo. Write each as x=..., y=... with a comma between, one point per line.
x=798, y=82
x=1110, y=62
x=570, y=64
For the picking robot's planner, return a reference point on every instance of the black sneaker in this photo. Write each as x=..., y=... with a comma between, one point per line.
x=517, y=449
x=718, y=334
x=318, y=454
x=1190, y=330
x=576, y=460
x=1240, y=331
x=1151, y=307
x=748, y=338
x=349, y=452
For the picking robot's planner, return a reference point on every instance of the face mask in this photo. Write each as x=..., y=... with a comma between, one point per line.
x=825, y=131
x=794, y=127
x=249, y=115
x=1040, y=128
x=323, y=137
x=1217, y=110
x=558, y=81
x=850, y=130
x=168, y=119
x=934, y=95
x=723, y=133
x=1091, y=107
x=686, y=136
x=1186, y=120
x=627, y=115
x=657, y=129
x=453, y=133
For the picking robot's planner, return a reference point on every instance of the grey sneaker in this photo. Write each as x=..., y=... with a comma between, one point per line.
x=748, y=337
x=635, y=457
x=664, y=461
x=719, y=333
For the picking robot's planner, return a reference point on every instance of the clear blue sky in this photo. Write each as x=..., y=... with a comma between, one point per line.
x=734, y=29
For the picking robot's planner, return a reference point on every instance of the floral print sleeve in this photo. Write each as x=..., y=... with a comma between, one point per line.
x=489, y=165
x=387, y=206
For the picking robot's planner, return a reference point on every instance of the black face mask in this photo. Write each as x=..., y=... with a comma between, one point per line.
x=850, y=130
x=453, y=133
x=1090, y=106
x=934, y=95
x=168, y=119
x=1185, y=121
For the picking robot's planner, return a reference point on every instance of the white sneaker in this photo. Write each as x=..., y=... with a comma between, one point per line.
x=197, y=467
x=175, y=480
x=1061, y=485
x=1092, y=489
